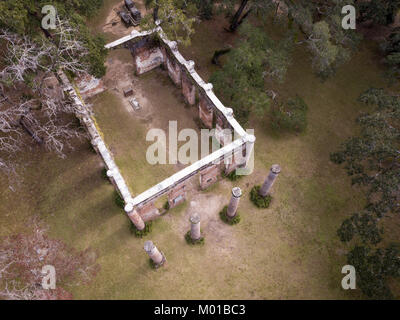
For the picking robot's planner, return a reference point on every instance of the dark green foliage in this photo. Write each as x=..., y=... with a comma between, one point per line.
x=241, y=80
x=231, y=176
x=291, y=117
x=88, y=8
x=152, y=264
x=24, y=17
x=97, y=55
x=190, y=241
x=166, y=205
x=148, y=227
x=204, y=7
x=118, y=200
x=363, y=224
x=321, y=24
x=379, y=11
x=104, y=174
x=391, y=48
x=155, y=266
x=374, y=269
x=91, y=148
x=231, y=221
x=259, y=201
x=372, y=160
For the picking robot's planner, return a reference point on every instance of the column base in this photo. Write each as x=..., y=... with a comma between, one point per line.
x=163, y=262
x=229, y=220
x=258, y=200
x=190, y=241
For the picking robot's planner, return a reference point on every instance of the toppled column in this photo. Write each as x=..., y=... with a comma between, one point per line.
x=234, y=203
x=135, y=217
x=270, y=180
x=155, y=255
x=195, y=232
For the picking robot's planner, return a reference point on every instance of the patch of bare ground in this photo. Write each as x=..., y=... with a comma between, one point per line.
x=109, y=22
x=159, y=99
x=216, y=232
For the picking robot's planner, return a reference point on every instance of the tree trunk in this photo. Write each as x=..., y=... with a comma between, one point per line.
x=25, y=125
x=244, y=17
x=155, y=13
x=276, y=12
x=217, y=54
x=236, y=18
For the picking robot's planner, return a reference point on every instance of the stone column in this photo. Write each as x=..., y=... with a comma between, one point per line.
x=234, y=203
x=269, y=182
x=153, y=253
x=135, y=217
x=195, y=233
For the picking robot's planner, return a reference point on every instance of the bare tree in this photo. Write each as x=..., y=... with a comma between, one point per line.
x=30, y=111
x=22, y=257
x=22, y=56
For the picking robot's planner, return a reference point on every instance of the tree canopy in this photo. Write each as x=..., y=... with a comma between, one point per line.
x=24, y=17
x=372, y=159
x=176, y=17
x=240, y=82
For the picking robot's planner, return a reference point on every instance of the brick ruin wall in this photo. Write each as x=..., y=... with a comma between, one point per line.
x=150, y=52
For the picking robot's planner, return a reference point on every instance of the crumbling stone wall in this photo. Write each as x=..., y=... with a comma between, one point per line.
x=188, y=89
x=174, y=70
x=150, y=52
x=209, y=176
x=177, y=195
x=148, y=211
x=206, y=111
x=147, y=55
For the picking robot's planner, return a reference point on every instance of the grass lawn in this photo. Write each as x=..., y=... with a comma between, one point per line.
x=287, y=251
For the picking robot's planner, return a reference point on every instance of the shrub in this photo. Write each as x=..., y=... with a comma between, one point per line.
x=91, y=148
x=292, y=117
x=152, y=264
x=189, y=239
x=231, y=221
x=118, y=200
x=155, y=266
x=166, y=205
x=259, y=201
x=231, y=176
x=104, y=174
x=148, y=227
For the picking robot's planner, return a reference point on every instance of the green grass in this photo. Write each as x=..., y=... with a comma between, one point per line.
x=125, y=135
x=289, y=250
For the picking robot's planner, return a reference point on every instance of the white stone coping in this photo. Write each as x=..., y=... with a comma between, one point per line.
x=134, y=34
